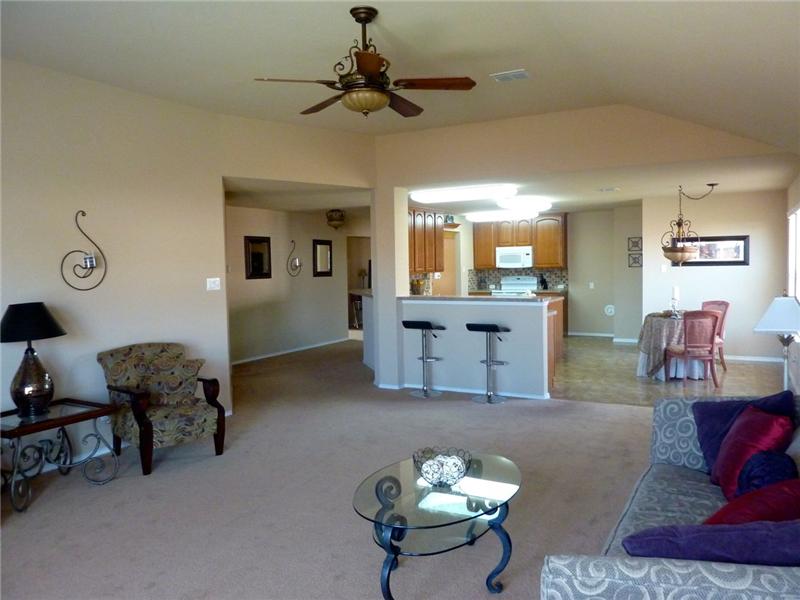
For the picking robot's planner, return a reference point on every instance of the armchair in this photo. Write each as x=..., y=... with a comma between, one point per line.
x=154, y=386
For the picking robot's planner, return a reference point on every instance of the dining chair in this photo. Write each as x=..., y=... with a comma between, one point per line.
x=721, y=306
x=699, y=343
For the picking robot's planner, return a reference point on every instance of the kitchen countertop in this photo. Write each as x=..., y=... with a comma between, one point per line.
x=555, y=291
x=361, y=292
x=529, y=299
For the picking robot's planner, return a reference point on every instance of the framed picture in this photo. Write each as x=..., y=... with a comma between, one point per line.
x=634, y=244
x=721, y=250
x=635, y=259
x=257, y=257
x=323, y=258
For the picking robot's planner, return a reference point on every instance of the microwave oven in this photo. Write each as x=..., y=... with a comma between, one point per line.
x=514, y=257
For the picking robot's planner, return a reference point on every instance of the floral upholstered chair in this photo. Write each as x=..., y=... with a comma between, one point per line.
x=154, y=385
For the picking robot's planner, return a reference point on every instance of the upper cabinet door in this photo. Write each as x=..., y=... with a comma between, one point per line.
x=439, y=242
x=411, y=240
x=430, y=242
x=504, y=232
x=550, y=241
x=419, y=241
x=523, y=235
x=483, y=245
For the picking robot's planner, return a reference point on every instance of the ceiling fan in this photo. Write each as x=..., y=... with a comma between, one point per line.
x=363, y=81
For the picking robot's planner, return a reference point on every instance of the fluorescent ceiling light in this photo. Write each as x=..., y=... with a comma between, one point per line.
x=531, y=204
x=494, y=191
x=486, y=216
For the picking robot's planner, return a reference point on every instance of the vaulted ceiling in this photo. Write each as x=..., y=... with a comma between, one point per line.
x=734, y=66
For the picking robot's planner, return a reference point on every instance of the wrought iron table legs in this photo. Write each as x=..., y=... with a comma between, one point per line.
x=28, y=462
x=387, y=535
x=496, y=525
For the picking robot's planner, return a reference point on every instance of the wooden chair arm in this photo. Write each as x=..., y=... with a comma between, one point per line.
x=137, y=397
x=211, y=392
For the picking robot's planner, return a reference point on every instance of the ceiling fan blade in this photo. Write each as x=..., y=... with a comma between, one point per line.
x=403, y=106
x=334, y=85
x=436, y=83
x=321, y=105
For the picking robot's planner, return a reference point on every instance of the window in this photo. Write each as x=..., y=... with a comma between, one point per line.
x=794, y=255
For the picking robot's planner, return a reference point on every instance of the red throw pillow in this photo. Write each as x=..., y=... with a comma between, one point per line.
x=753, y=431
x=777, y=502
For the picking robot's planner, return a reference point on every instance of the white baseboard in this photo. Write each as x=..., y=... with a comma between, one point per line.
x=476, y=391
x=760, y=359
x=587, y=334
x=625, y=340
x=388, y=386
x=289, y=351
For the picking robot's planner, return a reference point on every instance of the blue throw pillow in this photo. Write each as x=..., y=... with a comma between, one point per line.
x=765, y=468
x=714, y=419
x=757, y=543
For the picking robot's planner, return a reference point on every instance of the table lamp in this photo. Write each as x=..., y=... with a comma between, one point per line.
x=32, y=386
x=782, y=317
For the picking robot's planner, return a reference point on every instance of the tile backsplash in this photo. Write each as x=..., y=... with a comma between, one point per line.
x=482, y=279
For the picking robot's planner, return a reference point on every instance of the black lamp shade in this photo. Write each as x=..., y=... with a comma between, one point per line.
x=28, y=321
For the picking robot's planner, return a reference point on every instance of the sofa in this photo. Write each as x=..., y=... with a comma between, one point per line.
x=675, y=490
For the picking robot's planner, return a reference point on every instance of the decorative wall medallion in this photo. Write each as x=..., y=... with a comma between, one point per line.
x=635, y=260
x=634, y=244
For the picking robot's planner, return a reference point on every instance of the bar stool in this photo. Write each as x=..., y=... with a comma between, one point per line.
x=491, y=330
x=425, y=327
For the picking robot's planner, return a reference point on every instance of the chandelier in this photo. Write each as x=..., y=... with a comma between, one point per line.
x=679, y=243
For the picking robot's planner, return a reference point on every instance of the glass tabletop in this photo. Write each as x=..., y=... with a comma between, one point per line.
x=59, y=412
x=397, y=495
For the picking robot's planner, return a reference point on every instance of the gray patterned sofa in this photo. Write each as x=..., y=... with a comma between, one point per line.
x=674, y=490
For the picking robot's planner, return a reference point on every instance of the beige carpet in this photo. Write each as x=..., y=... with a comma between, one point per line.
x=272, y=518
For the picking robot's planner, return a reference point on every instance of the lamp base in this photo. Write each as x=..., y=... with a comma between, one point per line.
x=32, y=387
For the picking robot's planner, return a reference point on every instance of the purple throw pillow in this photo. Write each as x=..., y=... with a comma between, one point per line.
x=714, y=419
x=765, y=468
x=757, y=543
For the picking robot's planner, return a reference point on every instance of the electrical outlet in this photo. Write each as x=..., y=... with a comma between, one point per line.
x=213, y=284
x=591, y=285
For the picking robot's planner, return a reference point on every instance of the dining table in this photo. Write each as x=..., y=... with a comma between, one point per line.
x=659, y=330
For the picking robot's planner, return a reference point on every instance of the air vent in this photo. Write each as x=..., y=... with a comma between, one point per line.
x=510, y=75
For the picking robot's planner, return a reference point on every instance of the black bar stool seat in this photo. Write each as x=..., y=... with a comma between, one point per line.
x=426, y=328
x=491, y=330
x=487, y=327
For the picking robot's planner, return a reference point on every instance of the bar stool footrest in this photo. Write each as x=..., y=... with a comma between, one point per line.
x=431, y=358
x=496, y=363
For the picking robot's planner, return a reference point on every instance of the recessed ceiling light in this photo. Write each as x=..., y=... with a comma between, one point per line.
x=513, y=75
x=486, y=216
x=526, y=203
x=608, y=189
x=494, y=191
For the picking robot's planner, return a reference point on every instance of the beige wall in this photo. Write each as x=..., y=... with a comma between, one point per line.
x=627, y=280
x=283, y=313
x=149, y=174
x=749, y=289
x=590, y=261
x=511, y=150
x=793, y=195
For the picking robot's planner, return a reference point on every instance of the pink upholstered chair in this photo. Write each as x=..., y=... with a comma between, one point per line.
x=721, y=306
x=699, y=343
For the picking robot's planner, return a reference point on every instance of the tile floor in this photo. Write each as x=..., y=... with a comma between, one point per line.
x=597, y=370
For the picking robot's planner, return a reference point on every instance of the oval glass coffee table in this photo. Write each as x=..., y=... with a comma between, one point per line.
x=410, y=517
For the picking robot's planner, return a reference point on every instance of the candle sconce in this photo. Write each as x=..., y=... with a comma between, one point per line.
x=79, y=275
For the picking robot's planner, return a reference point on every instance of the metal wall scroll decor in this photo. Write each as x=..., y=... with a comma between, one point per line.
x=82, y=275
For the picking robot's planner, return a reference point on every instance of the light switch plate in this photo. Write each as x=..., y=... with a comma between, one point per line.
x=591, y=285
x=213, y=284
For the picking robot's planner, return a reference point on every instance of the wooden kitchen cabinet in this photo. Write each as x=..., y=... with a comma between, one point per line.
x=550, y=241
x=523, y=232
x=483, y=245
x=425, y=241
x=504, y=233
x=438, y=239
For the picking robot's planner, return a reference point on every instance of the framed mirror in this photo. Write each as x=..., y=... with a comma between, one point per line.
x=257, y=257
x=323, y=258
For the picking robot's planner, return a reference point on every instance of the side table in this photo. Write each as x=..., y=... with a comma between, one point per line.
x=29, y=460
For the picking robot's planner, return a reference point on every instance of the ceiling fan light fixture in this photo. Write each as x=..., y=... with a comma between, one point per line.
x=365, y=100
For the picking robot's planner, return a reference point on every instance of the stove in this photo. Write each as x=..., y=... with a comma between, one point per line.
x=517, y=286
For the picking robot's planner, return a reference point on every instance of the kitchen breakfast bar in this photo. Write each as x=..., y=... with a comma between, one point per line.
x=524, y=347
